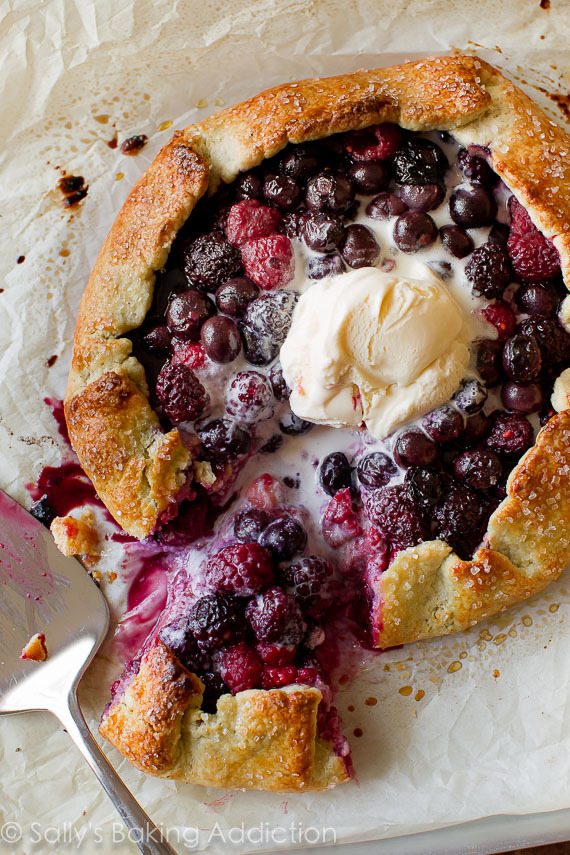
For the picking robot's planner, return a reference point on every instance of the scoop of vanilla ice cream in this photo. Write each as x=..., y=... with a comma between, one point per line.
x=374, y=347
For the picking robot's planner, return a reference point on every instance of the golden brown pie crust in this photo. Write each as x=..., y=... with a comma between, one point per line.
x=268, y=739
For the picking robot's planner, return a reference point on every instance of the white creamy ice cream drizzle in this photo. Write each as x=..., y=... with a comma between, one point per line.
x=374, y=347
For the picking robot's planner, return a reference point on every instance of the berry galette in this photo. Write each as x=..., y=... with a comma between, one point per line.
x=323, y=360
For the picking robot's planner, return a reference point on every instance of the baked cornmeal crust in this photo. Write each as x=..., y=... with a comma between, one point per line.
x=268, y=739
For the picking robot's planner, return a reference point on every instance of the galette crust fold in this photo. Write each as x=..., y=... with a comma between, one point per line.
x=256, y=739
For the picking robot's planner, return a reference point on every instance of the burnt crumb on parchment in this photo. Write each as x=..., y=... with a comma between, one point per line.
x=545, y=4
x=73, y=188
x=51, y=361
x=20, y=259
x=132, y=145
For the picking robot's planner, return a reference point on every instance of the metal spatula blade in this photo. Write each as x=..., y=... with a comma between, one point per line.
x=43, y=591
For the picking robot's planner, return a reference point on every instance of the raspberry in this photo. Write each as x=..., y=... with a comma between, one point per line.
x=190, y=355
x=249, y=397
x=340, y=522
x=501, y=316
x=534, y=257
x=216, y=619
x=308, y=675
x=275, y=678
x=210, y=260
x=308, y=580
x=511, y=433
x=249, y=220
x=243, y=569
x=276, y=654
x=241, y=668
x=265, y=492
x=398, y=518
x=376, y=143
x=458, y=519
x=489, y=270
x=269, y=261
x=275, y=617
x=180, y=393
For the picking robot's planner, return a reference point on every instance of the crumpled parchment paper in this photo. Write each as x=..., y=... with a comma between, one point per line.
x=442, y=732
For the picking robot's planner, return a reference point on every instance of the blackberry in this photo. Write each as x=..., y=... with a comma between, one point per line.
x=216, y=619
x=489, y=270
x=419, y=161
x=210, y=260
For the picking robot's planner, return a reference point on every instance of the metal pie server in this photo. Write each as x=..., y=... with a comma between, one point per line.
x=43, y=591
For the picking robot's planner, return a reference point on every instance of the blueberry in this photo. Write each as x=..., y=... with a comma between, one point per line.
x=376, y=469
x=235, y=295
x=248, y=185
x=322, y=232
x=249, y=524
x=422, y=197
x=472, y=206
x=282, y=191
x=187, y=313
x=220, y=339
x=157, y=339
x=456, y=241
x=527, y=398
x=386, y=205
x=443, y=425
x=475, y=168
x=540, y=300
x=487, y=361
x=335, y=473
x=292, y=425
x=522, y=358
x=369, y=176
x=329, y=192
x=414, y=231
x=299, y=162
x=414, y=448
x=284, y=538
x=278, y=384
x=326, y=265
x=470, y=397
x=359, y=248
x=43, y=511
x=223, y=439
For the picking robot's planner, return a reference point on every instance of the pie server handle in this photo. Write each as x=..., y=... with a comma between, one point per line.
x=143, y=831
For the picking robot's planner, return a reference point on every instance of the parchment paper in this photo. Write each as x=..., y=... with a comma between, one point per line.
x=463, y=728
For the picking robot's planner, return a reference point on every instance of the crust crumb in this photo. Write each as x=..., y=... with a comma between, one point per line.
x=36, y=648
x=78, y=536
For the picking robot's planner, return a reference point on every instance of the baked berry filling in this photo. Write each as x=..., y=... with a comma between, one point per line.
x=287, y=555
